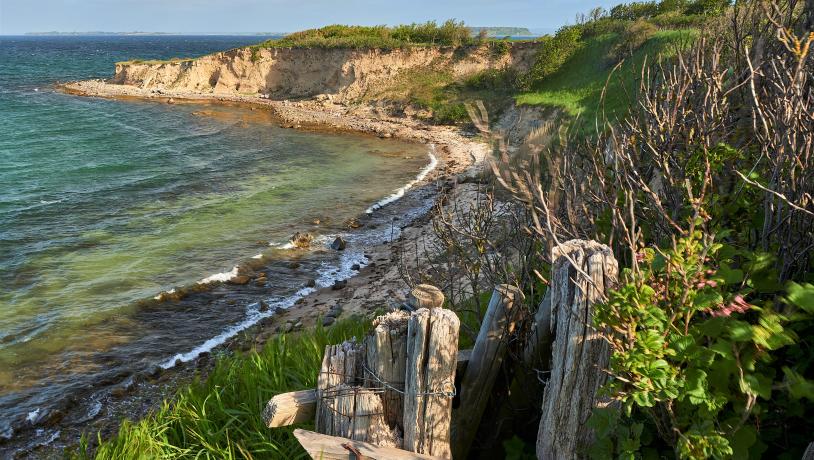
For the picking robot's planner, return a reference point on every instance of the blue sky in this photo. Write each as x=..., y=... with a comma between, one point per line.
x=210, y=16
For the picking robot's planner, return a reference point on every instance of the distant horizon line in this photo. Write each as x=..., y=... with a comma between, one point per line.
x=533, y=30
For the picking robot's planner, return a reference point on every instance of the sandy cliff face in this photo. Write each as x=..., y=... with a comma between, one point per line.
x=291, y=73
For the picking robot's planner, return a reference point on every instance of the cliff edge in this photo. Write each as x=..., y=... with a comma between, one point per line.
x=297, y=73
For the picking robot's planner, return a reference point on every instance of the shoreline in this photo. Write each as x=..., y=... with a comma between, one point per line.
x=375, y=283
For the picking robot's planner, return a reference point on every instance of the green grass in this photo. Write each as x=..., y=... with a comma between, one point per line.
x=220, y=416
x=577, y=86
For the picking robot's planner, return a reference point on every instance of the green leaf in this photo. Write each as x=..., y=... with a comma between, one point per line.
x=740, y=331
x=798, y=386
x=758, y=384
x=695, y=385
x=682, y=344
x=730, y=275
x=742, y=440
x=801, y=296
x=707, y=298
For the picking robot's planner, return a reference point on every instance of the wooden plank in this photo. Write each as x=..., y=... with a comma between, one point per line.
x=324, y=447
x=291, y=408
x=432, y=350
x=582, y=273
x=463, y=362
x=484, y=364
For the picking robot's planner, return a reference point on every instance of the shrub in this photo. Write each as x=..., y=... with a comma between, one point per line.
x=635, y=10
x=450, y=33
x=635, y=35
x=678, y=20
x=553, y=53
x=499, y=80
x=691, y=357
x=707, y=7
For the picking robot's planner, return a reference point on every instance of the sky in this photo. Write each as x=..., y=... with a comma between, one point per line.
x=245, y=16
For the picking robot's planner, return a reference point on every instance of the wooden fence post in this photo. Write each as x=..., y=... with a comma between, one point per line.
x=484, y=364
x=386, y=363
x=582, y=273
x=432, y=352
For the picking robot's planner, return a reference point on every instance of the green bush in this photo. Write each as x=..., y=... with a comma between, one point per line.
x=450, y=33
x=707, y=7
x=493, y=80
x=634, y=11
x=553, y=53
x=693, y=365
x=678, y=20
x=634, y=37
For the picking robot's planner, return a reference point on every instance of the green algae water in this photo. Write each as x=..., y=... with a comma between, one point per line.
x=106, y=203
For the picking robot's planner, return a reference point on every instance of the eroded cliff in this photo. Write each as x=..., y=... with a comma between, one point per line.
x=291, y=73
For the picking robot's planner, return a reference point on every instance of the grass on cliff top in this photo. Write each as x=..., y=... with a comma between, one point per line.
x=220, y=416
x=450, y=33
x=577, y=86
x=156, y=61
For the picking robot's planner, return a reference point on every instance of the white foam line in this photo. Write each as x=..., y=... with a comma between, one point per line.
x=326, y=277
x=400, y=192
x=225, y=276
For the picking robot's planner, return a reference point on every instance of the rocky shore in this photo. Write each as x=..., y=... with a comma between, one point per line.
x=377, y=284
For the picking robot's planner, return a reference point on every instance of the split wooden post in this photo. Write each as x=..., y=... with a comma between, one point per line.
x=432, y=352
x=484, y=364
x=582, y=273
x=341, y=366
x=386, y=362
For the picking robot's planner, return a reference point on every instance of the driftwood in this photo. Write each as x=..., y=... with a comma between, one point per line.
x=290, y=408
x=325, y=447
x=484, y=364
x=579, y=354
x=386, y=362
x=432, y=350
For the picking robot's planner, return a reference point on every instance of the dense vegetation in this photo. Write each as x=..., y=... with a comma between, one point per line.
x=450, y=33
x=703, y=189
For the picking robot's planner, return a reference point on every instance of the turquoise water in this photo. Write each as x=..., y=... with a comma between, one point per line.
x=105, y=203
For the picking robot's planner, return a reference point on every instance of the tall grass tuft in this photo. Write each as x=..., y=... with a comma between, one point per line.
x=220, y=416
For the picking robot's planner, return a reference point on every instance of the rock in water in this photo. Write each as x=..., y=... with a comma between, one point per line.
x=240, y=280
x=339, y=285
x=311, y=283
x=302, y=240
x=338, y=244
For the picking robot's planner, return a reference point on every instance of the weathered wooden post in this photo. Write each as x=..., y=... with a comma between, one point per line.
x=484, y=364
x=582, y=273
x=432, y=355
x=386, y=363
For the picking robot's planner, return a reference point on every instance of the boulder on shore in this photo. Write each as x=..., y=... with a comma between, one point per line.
x=339, y=285
x=339, y=244
x=302, y=240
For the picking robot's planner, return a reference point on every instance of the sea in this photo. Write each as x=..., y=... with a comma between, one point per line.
x=105, y=204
